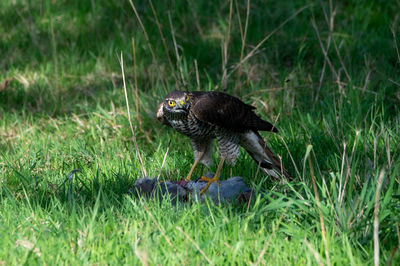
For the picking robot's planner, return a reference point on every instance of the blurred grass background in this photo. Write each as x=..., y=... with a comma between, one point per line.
x=328, y=73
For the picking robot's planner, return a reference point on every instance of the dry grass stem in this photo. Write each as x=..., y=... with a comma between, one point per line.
x=314, y=252
x=28, y=245
x=143, y=256
x=324, y=51
x=330, y=21
x=366, y=81
x=262, y=253
x=161, y=34
x=376, y=217
x=159, y=228
x=321, y=218
x=393, y=30
x=246, y=25
x=136, y=92
x=248, y=203
x=348, y=169
x=257, y=47
x=164, y=159
x=195, y=245
x=389, y=161
x=398, y=233
x=225, y=48
x=144, y=31
x=4, y=83
x=394, y=82
x=129, y=118
x=342, y=170
x=243, y=35
x=322, y=76
x=54, y=51
x=290, y=155
x=178, y=58
x=197, y=75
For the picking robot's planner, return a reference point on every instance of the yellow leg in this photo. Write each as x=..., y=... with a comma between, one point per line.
x=214, y=179
x=189, y=176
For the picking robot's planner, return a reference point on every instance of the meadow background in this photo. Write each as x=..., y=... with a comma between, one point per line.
x=328, y=73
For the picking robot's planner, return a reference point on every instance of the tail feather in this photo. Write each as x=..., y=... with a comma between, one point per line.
x=262, y=155
x=277, y=165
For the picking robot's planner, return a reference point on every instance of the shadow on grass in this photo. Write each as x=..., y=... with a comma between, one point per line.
x=57, y=38
x=82, y=186
x=41, y=100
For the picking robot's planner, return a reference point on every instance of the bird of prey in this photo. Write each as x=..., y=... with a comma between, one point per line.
x=205, y=116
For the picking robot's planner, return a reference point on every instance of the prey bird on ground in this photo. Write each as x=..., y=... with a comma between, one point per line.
x=204, y=116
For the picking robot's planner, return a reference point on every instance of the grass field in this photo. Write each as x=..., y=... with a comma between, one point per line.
x=328, y=73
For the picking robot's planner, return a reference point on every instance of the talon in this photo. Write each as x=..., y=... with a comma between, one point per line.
x=210, y=181
x=214, y=179
x=206, y=179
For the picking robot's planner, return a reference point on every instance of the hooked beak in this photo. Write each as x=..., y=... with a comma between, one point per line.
x=181, y=106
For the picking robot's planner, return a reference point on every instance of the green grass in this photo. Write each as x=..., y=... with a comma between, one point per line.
x=63, y=108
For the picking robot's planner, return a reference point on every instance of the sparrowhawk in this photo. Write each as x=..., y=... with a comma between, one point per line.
x=204, y=116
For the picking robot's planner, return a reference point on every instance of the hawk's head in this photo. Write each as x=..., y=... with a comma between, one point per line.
x=177, y=102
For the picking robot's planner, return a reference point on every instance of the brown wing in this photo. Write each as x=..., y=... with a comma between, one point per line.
x=160, y=115
x=226, y=111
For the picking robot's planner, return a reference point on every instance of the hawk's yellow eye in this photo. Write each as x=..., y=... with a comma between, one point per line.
x=171, y=103
x=187, y=98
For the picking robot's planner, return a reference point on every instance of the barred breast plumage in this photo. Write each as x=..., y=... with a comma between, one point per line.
x=190, y=126
x=204, y=116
